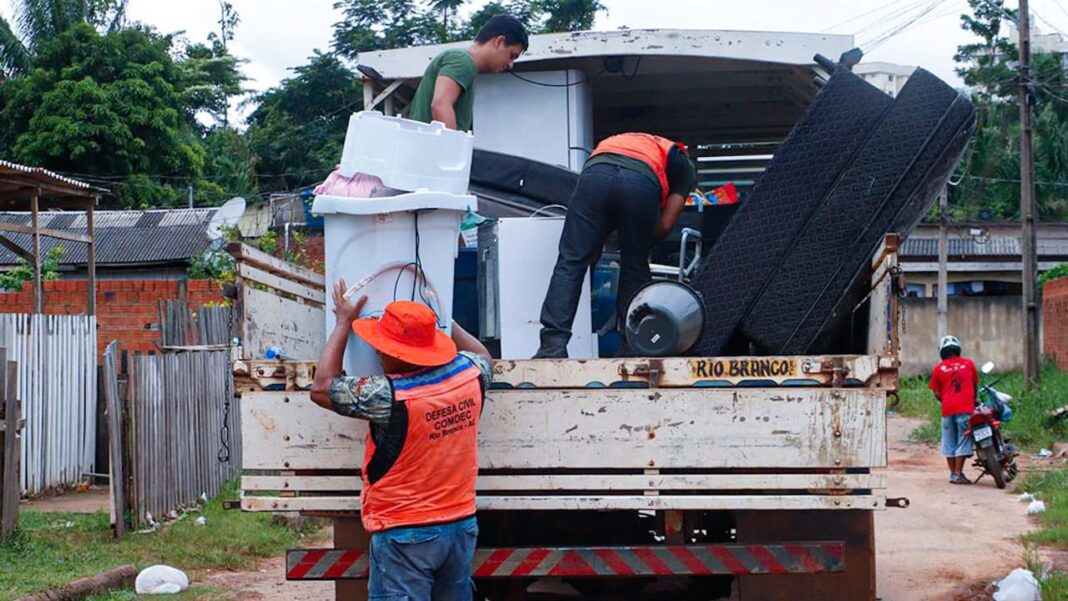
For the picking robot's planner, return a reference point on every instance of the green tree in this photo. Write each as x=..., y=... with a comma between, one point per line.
x=446, y=33
x=106, y=105
x=298, y=128
x=380, y=24
x=991, y=167
x=39, y=21
x=13, y=279
x=568, y=15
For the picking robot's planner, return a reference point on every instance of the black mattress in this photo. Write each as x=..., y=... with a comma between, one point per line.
x=887, y=187
x=770, y=218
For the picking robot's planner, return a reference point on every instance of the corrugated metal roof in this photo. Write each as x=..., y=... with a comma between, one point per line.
x=122, y=237
x=995, y=246
x=45, y=176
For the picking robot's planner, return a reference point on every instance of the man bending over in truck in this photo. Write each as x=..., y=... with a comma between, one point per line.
x=420, y=464
x=634, y=184
x=447, y=91
x=955, y=383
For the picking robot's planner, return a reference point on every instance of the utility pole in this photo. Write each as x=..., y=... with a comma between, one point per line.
x=943, y=255
x=1027, y=203
x=190, y=196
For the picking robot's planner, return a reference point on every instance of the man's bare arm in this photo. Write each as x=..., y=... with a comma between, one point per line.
x=670, y=215
x=443, y=105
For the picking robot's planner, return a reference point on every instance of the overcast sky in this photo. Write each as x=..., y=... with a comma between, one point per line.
x=275, y=35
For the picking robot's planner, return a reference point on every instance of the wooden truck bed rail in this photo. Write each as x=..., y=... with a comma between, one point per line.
x=600, y=448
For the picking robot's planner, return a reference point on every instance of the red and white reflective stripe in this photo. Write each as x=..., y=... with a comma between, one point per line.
x=691, y=560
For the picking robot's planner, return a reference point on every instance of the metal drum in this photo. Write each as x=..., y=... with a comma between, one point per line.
x=664, y=319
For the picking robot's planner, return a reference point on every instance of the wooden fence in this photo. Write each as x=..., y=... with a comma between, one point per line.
x=181, y=327
x=180, y=432
x=56, y=356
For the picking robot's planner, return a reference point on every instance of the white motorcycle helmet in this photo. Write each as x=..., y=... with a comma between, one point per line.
x=949, y=344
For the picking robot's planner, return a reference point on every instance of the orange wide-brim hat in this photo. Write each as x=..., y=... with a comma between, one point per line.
x=409, y=332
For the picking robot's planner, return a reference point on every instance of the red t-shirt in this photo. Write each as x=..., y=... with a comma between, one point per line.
x=956, y=380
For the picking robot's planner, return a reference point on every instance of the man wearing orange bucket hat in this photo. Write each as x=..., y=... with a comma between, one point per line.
x=420, y=463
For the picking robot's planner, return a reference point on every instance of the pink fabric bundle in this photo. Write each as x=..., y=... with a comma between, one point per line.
x=360, y=185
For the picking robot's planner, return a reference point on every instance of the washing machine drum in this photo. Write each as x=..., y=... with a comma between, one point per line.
x=664, y=319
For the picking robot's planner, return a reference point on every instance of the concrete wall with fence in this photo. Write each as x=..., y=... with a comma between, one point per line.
x=989, y=328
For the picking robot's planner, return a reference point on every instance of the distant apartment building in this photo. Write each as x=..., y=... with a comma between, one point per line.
x=888, y=77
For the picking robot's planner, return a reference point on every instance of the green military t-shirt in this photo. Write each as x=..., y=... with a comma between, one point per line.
x=458, y=66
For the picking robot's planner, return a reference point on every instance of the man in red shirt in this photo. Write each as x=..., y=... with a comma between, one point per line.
x=955, y=383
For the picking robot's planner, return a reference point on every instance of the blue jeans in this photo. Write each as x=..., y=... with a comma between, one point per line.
x=423, y=563
x=954, y=442
x=607, y=199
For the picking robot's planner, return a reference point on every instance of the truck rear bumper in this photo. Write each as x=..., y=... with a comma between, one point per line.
x=592, y=562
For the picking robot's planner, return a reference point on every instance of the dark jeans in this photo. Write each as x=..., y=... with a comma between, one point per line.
x=423, y=563
x=608, y=198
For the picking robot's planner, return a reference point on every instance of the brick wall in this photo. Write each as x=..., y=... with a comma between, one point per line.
x=127, y=310
x=1055, y=321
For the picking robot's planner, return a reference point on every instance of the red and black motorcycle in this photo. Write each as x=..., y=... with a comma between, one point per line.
x=993, y=455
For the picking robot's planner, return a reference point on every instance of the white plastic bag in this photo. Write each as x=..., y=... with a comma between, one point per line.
x=1019, y=585
x=161, y=579
x=1026, y=497
x=1036, y=507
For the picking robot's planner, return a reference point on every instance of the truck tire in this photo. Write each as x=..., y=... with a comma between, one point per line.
x=993, y=466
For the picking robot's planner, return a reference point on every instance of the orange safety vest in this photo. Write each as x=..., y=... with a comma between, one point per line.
x=432, y=480
x=647, y=148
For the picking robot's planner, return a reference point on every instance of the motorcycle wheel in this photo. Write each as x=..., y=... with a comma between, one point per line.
x=993, y=467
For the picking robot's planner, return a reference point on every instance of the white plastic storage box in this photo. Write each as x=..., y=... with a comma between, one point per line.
x=407, y=155
x=371, y=242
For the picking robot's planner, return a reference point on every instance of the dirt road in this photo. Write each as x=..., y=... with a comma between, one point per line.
x=940, y=549
x=952, y=538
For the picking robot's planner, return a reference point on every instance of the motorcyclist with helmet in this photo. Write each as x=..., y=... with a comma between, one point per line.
x=955, y=383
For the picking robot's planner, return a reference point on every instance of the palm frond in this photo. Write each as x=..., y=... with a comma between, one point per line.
x=14, y=58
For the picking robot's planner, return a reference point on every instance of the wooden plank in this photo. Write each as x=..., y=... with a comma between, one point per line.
x=15, y=228
x=605, y=428
x=91, y=269
x=681, y=372
x=38, y=291
x=599, y=503
x=11, y=485
x=15, y=248
x=671, y=373
x=256, y=257
x=117, y=473
x=599, y=482
x=281, y=284
x=270, y=320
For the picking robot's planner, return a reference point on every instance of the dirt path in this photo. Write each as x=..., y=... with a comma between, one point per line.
x=268, y=582
x=89, y=501
x=952, y=539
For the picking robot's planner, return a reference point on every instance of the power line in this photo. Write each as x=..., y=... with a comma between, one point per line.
x=873, y=44
x=892, y=4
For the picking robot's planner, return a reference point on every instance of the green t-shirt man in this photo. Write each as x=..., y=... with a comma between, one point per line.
x=446, y=92
x=458, y=66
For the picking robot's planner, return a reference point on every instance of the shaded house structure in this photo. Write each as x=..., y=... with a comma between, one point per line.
x=983, y=258
x=143, y=258
x=33, y=190
x=153, y=244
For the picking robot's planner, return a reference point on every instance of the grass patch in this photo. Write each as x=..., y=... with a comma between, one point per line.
x=1052, y=488
x=51, y=549
x=1030, y=428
